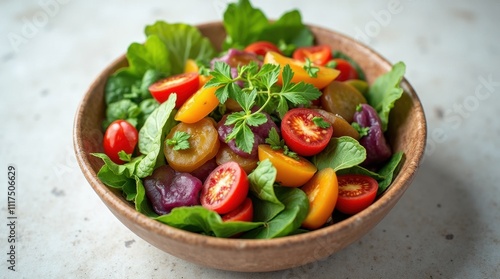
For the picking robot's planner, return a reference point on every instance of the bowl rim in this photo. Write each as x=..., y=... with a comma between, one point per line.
x=399, y=185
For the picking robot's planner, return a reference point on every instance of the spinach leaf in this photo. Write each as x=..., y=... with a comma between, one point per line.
x=385, y=91
x=201, y=220
x=243, y=24
x=124, y=109
x=288, y=220
x=182, y=42
x=159, y=122
x=340, y=153
x=126, y=170
x=153, y=54
x=389, y=170
x=360, y=170
x=119, y=84
x=288, y=29
x=266, y=204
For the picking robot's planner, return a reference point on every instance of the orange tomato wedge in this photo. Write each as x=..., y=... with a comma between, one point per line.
x=198, y=106
x=289, y=172
x=322, y=190
x=192, y=67
x=324, y=77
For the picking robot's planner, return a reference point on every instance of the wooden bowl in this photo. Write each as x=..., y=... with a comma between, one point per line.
x=407, y=132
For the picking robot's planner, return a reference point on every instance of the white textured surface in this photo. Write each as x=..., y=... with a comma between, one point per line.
x=447, y=225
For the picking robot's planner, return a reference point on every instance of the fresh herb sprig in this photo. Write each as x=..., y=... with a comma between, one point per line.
x=277, y=143
x=260, y=93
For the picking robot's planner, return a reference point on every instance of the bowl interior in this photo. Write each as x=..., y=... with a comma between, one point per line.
x=406, y=132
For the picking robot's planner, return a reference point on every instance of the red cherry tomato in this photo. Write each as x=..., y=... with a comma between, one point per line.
x=356, y=192
x=243, y=213
x=347, y=71
x=120, y=135
x=184, y=85
x=225, y=188
x=300, y=130
x=319, y=55
x=262, y=47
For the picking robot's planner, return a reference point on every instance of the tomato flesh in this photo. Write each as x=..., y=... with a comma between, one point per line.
x=120, y=135
x=347, y=71
x=319, y=55
x=322, y=192
x=184, y=85
x=225, y=188
x=289, y=172
x=302, y=134
x=262, y=47
x=198, y=106
x=356, y=192
x=243, y=213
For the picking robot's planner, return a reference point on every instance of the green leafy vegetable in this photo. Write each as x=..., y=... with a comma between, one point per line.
x=152, y=134
x=245, y=24
x=179, y=141
x=182, y=42
x=311, y=70
x=263, y=92
x=152, y=54
x=126, y=170
x=385, y=91
x=201, y=220
x=141, y=203
x=262, y=187
x=119, y=84
x=277, y=143
x=288, y=220
x=320, y=122
x=340, y=153
x=363, y=131
x=123, y=109
x=389, y=170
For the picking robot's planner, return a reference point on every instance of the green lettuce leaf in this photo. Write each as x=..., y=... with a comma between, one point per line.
x=153, y=54
x=385, y=91
x=288, y=29
x=340, y=153
x=182, y=41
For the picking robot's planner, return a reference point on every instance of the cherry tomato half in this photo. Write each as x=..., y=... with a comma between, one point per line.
x=319, y=55
x=347, y=71
x=322, y=191
x=184, y=85
x=120, y=135
x=356, y=192
x=324, y=76
x=262, y=47
x=225, y=188
x=289, y=172
x=302, y=134
x=243, y=213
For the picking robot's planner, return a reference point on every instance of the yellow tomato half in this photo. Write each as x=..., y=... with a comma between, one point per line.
x=289, y=172
x=198, y=106
x=322, y=190
x=324, y=77
x=192, y=67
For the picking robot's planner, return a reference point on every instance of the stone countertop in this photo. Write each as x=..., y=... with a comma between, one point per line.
x=447, y=225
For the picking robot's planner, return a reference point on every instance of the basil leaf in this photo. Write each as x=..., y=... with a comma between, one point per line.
x=201, y=220
x=152, y=54
x=385, y=91
x=389, y=170
x=288, y=220
x=151, y=136
x=266, y=204
x=182, y=42
x=340, y=153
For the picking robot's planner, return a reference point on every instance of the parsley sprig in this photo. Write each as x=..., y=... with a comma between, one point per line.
x=179, y=141
x=261, y=92
x=277, y=143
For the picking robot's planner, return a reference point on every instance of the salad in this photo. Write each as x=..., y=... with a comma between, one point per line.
x=271, y=137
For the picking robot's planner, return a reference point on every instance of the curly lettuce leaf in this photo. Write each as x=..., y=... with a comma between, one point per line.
x=385, y=91
x=183, y=42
